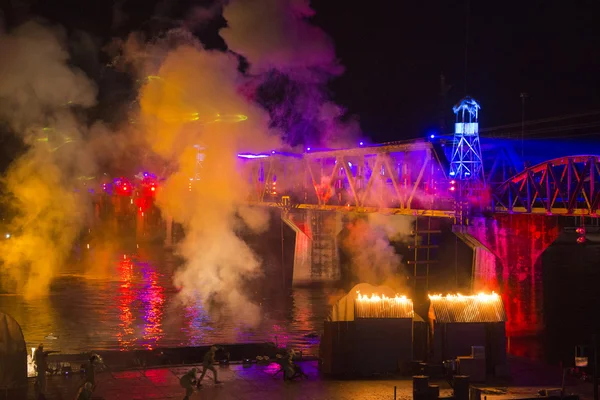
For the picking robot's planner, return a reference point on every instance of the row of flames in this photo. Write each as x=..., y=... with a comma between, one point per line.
x=382, y=306
x=376, y=306
x=483, y=297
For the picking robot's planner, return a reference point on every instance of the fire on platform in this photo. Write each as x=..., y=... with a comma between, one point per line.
x=374, y=330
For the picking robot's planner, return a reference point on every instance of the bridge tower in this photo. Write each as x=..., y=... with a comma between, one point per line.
x=466, y=165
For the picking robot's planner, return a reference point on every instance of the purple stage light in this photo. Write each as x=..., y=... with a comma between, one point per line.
x=252, y=156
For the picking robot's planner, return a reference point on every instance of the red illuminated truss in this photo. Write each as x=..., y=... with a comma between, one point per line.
x=399, y=178
x=566, y=186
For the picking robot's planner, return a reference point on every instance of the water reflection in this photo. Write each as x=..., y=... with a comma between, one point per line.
x=125, y=298
x=130, y=303
x=154, y=299
x=198, y=325
x=140, y=301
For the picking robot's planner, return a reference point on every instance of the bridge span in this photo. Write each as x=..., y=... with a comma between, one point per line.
x=411, y=178
x=515, y=217
x=517, y=210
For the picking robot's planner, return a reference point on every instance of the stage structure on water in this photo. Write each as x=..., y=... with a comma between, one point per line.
x=368, y=334
x=470, y=330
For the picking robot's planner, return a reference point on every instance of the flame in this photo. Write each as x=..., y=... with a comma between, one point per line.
x=377, y=306
x=483, y=297
x=375, y=298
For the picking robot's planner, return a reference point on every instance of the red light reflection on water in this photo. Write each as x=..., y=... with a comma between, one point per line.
x=300, y=333
x=279, y=336
x=148, y=297
x=126, y=297
x=303, y=312
x=154, y=298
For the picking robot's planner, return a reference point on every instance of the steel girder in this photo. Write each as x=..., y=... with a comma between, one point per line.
x=399, y=178
x=563, y=186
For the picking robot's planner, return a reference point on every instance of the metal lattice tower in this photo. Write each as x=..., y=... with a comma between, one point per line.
x=467, y=165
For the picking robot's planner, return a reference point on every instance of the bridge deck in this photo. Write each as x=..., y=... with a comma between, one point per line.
x=354, y=209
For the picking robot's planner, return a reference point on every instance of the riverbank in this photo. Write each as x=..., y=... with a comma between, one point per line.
x=262, y=382
x=153, y=358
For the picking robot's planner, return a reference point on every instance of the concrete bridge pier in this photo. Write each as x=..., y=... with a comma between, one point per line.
x=507, y=253
x=316, y=258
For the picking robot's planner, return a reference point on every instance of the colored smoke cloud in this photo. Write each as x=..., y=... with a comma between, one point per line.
x=275, y=34
x=291, y=61
x=192, y=99
x=39, y=95
x=195, y=96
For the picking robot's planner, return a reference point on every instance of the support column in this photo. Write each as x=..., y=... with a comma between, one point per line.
x=316, y=252
x=516, y=242
x=297, y=220
x=484, y=270
x=484, y=264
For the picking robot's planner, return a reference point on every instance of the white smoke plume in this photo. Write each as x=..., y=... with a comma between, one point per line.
x=373, y=259
x=192, y=99
x=39, y=95
x=195, y=97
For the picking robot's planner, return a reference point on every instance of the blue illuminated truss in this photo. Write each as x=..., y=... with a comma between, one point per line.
x=466, y=165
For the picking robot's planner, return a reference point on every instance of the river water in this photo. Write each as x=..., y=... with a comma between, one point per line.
x=133, y=304
x=122, y=297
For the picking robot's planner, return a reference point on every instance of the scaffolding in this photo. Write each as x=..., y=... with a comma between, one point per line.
x=324, y=247
x=423, y=250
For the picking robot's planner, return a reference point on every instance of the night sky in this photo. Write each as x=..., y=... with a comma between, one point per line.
x=395, y=52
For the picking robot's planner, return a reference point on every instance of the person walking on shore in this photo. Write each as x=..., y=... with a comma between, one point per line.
x=90, y=371
x=208, y=364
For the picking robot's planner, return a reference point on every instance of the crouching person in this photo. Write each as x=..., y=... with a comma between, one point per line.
x=187, y=382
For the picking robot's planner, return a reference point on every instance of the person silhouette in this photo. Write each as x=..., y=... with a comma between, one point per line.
x=208, y=365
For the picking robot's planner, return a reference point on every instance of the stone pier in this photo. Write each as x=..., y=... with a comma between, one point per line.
x=316, y=258
x=507, y=253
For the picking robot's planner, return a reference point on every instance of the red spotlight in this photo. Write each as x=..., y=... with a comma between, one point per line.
x=452, y=187
x=581, y=232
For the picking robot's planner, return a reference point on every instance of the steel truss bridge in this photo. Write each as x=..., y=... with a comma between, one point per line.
x=411, y=178
x=567, y=186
